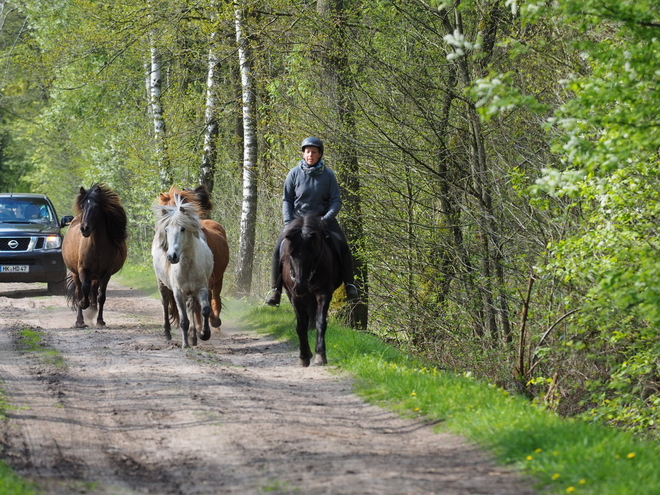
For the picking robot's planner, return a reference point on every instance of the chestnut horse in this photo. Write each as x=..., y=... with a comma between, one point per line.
x=216, y=238
x=311, y=272
x=94, y=249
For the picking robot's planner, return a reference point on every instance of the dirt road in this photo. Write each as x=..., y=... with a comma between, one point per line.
x=128, y=412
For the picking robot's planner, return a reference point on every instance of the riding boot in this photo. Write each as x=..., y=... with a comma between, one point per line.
x=274, y=296
x=275, y=293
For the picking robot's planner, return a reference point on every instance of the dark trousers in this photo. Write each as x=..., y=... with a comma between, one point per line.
x=339, y=244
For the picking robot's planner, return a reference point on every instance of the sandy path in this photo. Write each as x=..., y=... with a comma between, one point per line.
x=131, y=413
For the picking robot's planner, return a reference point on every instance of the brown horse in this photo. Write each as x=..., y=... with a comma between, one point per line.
x=311, y=272
x=216, y=238
x=94, y=248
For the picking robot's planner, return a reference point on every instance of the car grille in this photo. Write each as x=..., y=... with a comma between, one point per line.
x=21, y=244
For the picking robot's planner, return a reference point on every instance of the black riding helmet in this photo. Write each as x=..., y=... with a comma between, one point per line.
x=312, y=141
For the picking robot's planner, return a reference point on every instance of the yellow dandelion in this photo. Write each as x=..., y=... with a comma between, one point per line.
x=570, y=489
x=529, y=457
x=416, y=409
x=413, y=394
x=582, y=481
x=555, y=476
x=631, y=455
x=538, y=451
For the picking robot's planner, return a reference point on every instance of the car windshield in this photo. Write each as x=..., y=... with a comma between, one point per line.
x=25, y=210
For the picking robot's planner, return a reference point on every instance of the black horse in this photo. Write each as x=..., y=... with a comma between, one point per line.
x=311, y=272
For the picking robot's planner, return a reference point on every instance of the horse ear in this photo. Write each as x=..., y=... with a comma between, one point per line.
x=164, y=198
x=82, y=190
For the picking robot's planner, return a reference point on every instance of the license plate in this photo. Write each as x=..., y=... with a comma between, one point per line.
x=14, y=268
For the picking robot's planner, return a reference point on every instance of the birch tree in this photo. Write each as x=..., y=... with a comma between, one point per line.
x=210, y=152
x=160, y=141
x=249, y=204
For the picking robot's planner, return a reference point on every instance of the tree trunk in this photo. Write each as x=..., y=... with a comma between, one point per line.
x=249, y=208
x=210, y=152
x=338, y=70
x=160, y=131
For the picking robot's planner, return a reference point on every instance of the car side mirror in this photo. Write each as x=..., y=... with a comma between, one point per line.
x=66, y=220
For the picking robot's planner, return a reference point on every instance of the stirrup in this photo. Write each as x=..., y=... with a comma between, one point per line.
x=351, y=292
x=273, y=298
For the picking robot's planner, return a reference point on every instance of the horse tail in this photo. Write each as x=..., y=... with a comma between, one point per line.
x=70, y=291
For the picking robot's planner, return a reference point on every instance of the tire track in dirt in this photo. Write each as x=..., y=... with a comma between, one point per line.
x=137, y=414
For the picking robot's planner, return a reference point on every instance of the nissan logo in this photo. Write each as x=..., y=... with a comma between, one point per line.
x=13, y=244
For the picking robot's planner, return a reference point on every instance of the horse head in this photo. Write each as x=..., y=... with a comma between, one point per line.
x=100, y=206
x=303, y=251
x=176, y=226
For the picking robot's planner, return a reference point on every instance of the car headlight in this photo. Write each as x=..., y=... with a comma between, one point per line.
x=53, y=242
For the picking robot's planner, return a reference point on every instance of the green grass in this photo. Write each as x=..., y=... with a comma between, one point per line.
x=11, y=484
x=31, y=340
x=138, y=277
x=563, y=455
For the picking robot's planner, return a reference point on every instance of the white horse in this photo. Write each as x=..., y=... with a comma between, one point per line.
x=183, y=264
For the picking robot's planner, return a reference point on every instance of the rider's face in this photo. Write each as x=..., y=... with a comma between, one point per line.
x=311, y=155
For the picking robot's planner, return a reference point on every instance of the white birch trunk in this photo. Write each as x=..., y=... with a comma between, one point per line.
x=209, y=154
x=155, y=83
x=249, y=207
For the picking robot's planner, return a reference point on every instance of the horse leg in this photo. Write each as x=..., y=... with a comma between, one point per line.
x=206, y=312
x=191, y=307
x=183, y=316
x=86, y=287
x=321, y=324
x=103, y=286
x=165, y=294
x=80, y=319
x=302, y=319
x=216, y=304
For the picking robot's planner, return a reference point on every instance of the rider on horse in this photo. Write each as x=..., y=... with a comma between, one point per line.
x=311, y=188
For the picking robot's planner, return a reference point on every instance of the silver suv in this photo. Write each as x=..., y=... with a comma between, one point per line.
x=31, y=241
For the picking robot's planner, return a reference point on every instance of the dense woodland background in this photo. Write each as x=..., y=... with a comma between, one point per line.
x=498, y=159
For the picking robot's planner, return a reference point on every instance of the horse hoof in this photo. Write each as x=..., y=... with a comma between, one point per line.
x=100, y=324
x=205, y=335
x=80, y=325
x=215, y=322
x=303, y=362
x=320, y=360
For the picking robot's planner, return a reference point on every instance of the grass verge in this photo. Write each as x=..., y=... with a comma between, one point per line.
x=563, y=455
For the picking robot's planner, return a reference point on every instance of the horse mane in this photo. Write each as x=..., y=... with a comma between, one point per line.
x=199, y=196
x=181, y=213
x=108, y=201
